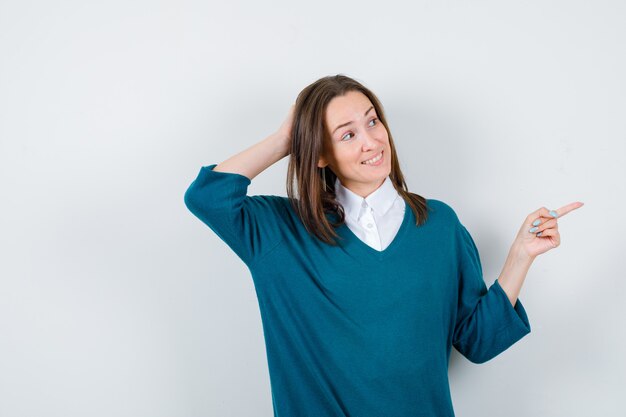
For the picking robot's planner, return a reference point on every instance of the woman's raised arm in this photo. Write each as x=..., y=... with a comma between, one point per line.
x=218, y=197
x=260, y=156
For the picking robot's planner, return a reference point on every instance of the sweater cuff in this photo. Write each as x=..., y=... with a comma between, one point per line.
x=517, y=317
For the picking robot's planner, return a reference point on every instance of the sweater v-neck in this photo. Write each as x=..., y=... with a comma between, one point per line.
x=357, y=247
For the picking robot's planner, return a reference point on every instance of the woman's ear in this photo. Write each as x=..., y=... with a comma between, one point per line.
x=322, y=162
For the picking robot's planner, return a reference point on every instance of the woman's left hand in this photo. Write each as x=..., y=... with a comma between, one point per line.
x=540, y=231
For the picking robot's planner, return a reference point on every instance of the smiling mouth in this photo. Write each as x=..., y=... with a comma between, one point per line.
x=376, y=161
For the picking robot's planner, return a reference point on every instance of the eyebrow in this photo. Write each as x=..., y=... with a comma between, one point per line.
x=347, y=123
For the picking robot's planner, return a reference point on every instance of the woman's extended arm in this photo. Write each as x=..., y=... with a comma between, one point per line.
x=254, y=160
x=539, y=233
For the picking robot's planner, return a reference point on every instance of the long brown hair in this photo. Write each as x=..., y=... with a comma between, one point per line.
x=316, y=185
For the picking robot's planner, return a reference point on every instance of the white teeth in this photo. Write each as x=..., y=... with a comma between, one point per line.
x=373, y=160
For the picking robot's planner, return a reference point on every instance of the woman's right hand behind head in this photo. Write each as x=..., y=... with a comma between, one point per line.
x=284, y=132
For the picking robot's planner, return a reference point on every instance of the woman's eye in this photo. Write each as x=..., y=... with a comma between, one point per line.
x=347, y=134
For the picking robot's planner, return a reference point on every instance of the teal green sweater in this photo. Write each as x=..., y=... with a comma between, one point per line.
x=349, y=330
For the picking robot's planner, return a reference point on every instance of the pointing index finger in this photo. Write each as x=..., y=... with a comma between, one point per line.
x=569, y=207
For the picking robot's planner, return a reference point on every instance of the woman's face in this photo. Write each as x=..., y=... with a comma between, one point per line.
x=356, y=135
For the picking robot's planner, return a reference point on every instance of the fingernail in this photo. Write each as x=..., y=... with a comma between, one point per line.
x=537, y=222
x=553, y=213
x=539, y=234
x=533, y=230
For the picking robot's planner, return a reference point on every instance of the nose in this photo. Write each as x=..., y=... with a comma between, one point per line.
x=369, y=142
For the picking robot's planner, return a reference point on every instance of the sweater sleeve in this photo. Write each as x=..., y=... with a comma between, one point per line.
x=247, y=224
x=487, y=324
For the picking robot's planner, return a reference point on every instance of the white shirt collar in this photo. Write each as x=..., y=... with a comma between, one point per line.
x=380, y=200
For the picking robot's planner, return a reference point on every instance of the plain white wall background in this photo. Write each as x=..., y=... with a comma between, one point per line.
x=116, y=301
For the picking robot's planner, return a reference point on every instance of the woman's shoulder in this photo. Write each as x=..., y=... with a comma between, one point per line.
x=441, y=209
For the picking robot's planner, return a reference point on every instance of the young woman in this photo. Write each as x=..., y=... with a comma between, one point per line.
x=363, y=286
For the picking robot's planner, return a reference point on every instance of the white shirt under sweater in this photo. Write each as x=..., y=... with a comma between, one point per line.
x=376, y=218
